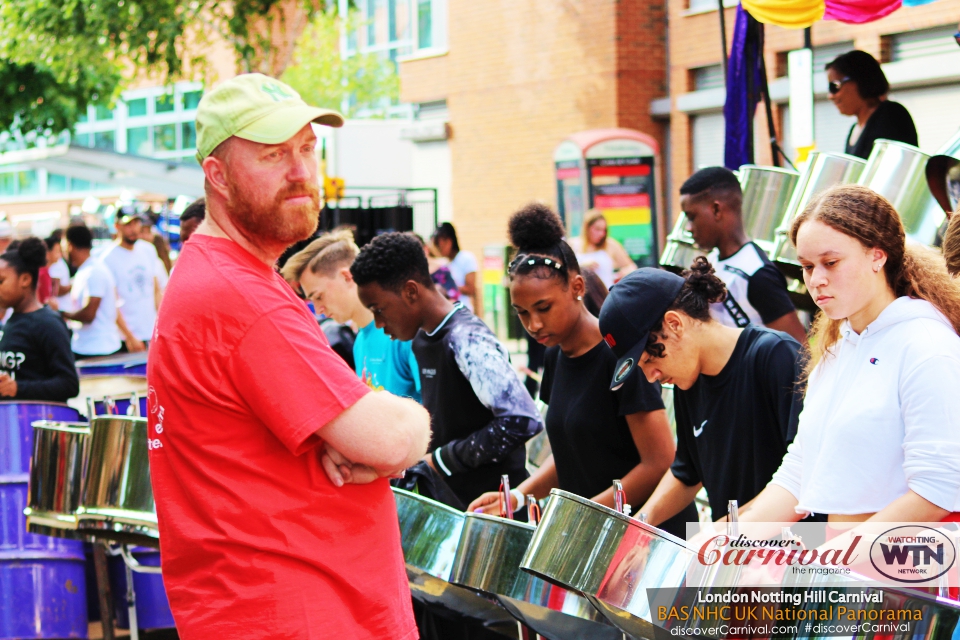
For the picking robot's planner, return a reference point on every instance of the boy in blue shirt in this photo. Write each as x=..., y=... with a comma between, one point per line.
x=322, y=271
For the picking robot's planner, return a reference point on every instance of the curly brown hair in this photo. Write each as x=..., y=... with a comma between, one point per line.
x=910, y=270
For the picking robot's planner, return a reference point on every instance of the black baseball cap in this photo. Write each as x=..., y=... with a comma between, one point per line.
x=635, y=305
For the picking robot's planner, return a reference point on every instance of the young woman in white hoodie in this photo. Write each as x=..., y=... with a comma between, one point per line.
x=879, y=435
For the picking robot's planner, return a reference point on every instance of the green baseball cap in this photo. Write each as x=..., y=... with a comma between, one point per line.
x=255, y=107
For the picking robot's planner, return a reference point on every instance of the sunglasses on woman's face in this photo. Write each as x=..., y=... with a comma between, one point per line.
x=834, y=87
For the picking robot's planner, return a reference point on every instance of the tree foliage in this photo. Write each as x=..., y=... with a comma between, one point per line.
x=58, y=56
x=361, y=82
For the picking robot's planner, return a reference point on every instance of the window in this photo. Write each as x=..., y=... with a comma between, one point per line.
x=373, y=7
x=28, y=183
x=138, y=141
x=137, y=107
x=164, y=103
x=165, y=137
x=83, y=140
x=57, y=183
x=424, y=24
x=188, y=135
x=708, y=77
x=8, y=184
x=919, y=44
x=79, y=185
x=104, y=113
x=191, y=99
x=822, y=56
x=104, y=140
x=83, y=117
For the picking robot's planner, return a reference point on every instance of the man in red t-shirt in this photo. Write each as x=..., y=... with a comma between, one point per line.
x=268, y=456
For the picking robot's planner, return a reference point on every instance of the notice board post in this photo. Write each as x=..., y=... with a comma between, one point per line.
x=617, y=172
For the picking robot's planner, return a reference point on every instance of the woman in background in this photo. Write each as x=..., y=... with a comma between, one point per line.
x=858, y=87
x=598, y=252
x=462, y=266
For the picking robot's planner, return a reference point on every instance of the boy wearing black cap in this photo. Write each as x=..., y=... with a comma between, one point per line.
x=735, y=399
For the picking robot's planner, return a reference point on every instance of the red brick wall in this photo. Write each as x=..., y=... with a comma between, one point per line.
x=520, y=75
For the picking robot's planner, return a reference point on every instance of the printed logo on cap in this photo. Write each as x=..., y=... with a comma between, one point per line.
x=624, y=369
x=275, y=91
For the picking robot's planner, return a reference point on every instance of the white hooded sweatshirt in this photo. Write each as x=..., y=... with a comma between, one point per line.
x=881, y=416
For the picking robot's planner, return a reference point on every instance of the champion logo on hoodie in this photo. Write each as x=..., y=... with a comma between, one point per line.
x=874, y=360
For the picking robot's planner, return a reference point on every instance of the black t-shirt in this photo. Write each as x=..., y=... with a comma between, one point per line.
x=35, y=350
x=891, y=120
x=480, y=412
x=733, y=428
x=586, y=422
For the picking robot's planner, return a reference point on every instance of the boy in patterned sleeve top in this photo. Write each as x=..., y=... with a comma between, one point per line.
x=481, y=413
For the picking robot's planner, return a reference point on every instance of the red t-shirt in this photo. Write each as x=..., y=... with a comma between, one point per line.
x=255, y=539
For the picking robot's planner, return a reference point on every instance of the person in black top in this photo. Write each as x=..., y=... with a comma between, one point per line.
x=858, y=87
x=735, y=395
x=480, y=412
x=36, y=362
x=596, y=435
x=756, y=290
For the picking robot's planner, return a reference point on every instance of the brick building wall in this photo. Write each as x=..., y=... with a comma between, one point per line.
x=519, y=76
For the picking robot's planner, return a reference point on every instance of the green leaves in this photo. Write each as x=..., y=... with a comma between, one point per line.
x=359, y=82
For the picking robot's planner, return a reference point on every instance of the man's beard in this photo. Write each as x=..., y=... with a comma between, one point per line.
x=276, y=223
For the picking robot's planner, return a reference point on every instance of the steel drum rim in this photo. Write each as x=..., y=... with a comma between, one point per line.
x=503, y=521
x=902, y=145
x=54, y=519
x=749, y=167
x=80, y=428
x=33, y=402
x=112, y=416
x=632, y=522
x=420, y=498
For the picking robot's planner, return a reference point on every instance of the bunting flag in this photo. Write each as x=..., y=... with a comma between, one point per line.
x=799, y=14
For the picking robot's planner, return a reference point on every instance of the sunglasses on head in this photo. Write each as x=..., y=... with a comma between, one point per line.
x=834, y=87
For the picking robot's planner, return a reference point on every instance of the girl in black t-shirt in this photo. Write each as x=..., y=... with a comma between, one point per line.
x=596, y=435
x=36, y=362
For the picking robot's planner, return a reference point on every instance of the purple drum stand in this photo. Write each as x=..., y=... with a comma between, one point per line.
x=41, y=578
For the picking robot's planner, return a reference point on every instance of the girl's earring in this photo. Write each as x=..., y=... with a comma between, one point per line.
x=579, y=297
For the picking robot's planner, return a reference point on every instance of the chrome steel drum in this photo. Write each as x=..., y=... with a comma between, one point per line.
x=609, y=558
x=823, y=170
x=430, y=534
x=680, y=249
x=60, y=454
x=766, y=194
x=488, y=560
x=117, y=498
x=897, y=171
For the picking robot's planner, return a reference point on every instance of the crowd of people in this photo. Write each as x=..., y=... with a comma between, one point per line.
x=271, y=454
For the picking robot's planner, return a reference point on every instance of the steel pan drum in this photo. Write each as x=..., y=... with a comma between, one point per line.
x=897, y=171
x=117, y=499
x=823, y=170
x=680, y=249
x=609, y=558
x=488, y=560
x=123, y=364
x=430, y=534
x=60, y=454
x=766, y=194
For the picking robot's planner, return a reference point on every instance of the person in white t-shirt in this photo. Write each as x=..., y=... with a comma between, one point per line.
x=134, y=264
x=59, y=274
x=462, y=265
x=93, y=294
